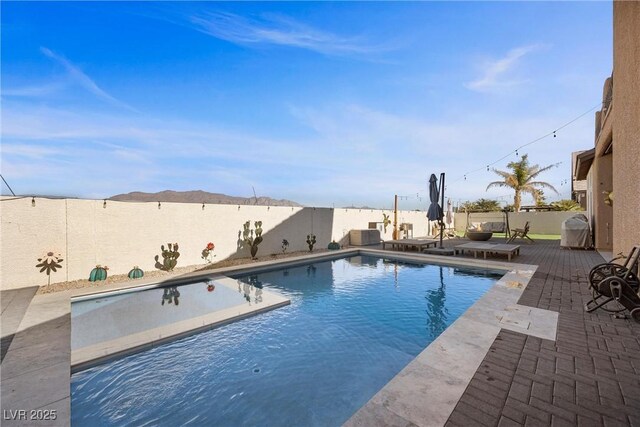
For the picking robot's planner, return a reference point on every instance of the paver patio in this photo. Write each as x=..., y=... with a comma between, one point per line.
x=589, y=376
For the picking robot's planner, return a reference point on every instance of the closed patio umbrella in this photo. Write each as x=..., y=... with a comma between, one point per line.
x=435, y=212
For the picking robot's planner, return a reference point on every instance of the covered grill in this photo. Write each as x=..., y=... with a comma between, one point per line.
x=575, y=232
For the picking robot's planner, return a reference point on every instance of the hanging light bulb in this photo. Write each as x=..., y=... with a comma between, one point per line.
x=465, y=177
x=517, y=153
x=554, y=133
x=487, y=168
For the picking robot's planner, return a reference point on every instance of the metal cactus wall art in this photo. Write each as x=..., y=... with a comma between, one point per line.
x=49, y=262
x=248, y=236
x=98, y=273
x=135, y=273
x=170, y=257
x=385, y=221
x=207, y=252
x=311, y=240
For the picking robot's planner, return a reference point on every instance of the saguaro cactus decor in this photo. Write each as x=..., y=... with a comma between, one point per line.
x=311, y=240
x=248, y=236
x=98, y=273
x=385, y=221
x=169, y=256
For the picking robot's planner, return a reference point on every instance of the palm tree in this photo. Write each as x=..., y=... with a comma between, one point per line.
x=521, y=180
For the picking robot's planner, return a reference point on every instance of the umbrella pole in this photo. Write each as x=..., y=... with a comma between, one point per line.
x=441, y=204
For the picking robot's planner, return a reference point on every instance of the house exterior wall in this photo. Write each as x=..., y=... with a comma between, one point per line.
x=626, y=125
x=603, y=213
x=125, y=234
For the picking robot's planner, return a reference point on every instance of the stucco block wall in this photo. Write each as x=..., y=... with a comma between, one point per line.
x=27, y=233
x=626, y=125
x=539, y=222
x=122, y=234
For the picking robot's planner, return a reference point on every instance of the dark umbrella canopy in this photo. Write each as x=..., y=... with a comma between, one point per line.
x=435, y=210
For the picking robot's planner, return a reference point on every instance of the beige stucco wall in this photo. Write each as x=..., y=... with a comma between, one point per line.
x=126, y=234
x=603, y=213
x=539, y=222
x=626, y=125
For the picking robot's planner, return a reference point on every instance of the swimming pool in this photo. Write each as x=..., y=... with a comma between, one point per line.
x=352, y=325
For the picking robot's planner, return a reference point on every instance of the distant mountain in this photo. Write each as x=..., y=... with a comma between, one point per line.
x=200, y=197
x=358, y=207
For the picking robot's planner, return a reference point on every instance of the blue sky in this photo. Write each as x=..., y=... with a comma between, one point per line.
x=321, y=103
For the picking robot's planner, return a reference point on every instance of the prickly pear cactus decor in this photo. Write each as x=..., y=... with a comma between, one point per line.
x=333, y=246
x=169, y=257
x=136, y=273
x=207, y=252
x=49, y=262
x=248, y=236
x=311, y=240
x=98, y=273
x=285, y=245
x=385, y=221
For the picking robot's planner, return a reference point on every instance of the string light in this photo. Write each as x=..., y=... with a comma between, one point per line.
x=516, y=151
x=33, y=202
x=104, y=204
x=158, y=205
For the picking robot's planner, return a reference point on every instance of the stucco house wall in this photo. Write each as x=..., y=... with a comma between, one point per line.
x=626, y=125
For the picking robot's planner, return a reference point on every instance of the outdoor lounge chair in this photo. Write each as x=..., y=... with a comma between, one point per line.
x=521, y=233
x=614, y=287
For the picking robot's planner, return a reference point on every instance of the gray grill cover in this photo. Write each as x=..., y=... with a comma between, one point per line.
x=575, y=232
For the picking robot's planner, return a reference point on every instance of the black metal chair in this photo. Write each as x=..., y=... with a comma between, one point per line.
x=614, y=287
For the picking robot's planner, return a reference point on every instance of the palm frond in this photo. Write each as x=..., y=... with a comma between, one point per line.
x=543, y=185
x=503, y=174
x=498, y=184
x=540, y=170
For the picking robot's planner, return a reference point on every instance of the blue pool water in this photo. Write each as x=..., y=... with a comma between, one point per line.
x=352, y=325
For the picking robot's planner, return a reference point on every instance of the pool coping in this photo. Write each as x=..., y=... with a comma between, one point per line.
x=427, y=390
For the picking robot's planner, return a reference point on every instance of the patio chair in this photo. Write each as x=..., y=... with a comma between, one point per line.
x=521, y=233
x=614, y=287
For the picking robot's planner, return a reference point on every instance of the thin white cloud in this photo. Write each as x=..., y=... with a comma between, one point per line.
x=84, y=80
x=35, y=91
x=277, y=30
x=27, y=151
x=495, y=72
